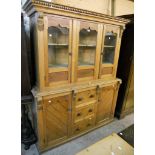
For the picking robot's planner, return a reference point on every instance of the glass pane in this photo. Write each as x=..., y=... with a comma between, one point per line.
x=87, y=44
x=58, y=40
x=108, y=55
x=86, y=55
x=109, y=47
x=110, y=39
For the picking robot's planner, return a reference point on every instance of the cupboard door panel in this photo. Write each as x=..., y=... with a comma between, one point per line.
x=58, y=76
x=57, y=118
x=105, y=106
x=109, y=51
x=85, y=73
x=86, y=43
x=107, y=70
x=58, y=53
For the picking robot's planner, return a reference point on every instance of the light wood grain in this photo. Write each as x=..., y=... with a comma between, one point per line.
x=104, y=108
x=56, y=124
x=109, y=70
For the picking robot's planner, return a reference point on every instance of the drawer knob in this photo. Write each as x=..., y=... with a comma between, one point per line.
x=77, y=129
x=90, y=110
x=78, y=114
x=49, y=101
x=91, y=96
x=80, y=99
x=88, y=124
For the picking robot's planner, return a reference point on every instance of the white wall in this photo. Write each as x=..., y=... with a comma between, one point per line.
x=101, y=6
x=123, y=7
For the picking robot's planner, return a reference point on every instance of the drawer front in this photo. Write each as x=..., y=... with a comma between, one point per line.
x=77, y=128
x=89, y=123
x=83, y=125
x=85, y=96
x=90, y=110
x=81, y=113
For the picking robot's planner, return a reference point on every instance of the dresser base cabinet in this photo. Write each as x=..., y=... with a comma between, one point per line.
x=64, y=114
x=106, y=104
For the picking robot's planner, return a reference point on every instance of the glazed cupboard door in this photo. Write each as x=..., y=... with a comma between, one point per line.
x=57, y=118
x=58, y=50
x=86, y=43
x=105, y=107
x=110, y=51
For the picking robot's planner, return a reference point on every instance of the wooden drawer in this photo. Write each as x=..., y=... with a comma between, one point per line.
x=81, y=113
x=90, y=110
x=85, y=96
x=83, y=125
x=89, y=123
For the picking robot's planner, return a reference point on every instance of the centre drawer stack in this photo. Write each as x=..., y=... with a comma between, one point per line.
x=84, y=110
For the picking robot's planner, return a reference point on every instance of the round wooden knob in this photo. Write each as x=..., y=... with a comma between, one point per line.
x=88, y=124
x=80, y=99
x=90, y=110
x=91, y=96
x=78, y=114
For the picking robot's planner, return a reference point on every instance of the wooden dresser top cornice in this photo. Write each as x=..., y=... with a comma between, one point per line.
x=32, y=6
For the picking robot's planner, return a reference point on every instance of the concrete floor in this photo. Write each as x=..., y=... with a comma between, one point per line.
x=78, y=144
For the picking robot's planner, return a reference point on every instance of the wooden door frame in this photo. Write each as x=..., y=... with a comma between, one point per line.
x=47, y=70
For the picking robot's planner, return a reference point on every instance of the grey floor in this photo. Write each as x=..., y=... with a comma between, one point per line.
x=78, y=144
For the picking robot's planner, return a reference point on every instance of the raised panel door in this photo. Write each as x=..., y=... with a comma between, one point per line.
x=105, y=104
x=57, y=118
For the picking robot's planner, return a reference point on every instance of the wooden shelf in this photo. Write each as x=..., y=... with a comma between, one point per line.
x=109, y=46
x=83, y=45
x=58, y=65
x=85, y=64
x=53, y=44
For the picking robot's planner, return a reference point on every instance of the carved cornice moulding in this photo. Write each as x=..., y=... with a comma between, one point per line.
x=33, y=4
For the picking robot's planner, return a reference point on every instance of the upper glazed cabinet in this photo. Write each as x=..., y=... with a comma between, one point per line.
x=79, y=50
x=85, y=43
x=57, y=50
x=109, y=52
x=70, y=50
